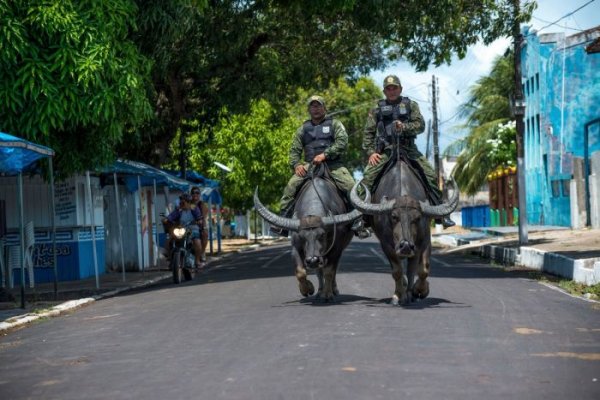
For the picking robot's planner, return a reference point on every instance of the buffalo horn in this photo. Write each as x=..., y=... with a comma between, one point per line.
x=444, y=208
x=291, y=224
x=366, y=207
x=343, y=218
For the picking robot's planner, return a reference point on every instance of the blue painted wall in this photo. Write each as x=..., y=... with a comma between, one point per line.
x=561, y=83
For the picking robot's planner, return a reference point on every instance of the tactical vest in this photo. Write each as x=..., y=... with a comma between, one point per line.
x=316, y=138
x=386, y=115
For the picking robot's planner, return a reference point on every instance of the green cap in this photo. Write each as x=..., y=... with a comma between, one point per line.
x=391, y=80
x=316, y=98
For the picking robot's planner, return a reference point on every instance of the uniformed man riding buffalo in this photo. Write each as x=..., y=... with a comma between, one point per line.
x=320, y=139
x=396, y=117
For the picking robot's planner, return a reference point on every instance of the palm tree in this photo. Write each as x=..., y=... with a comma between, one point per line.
x=488, y=107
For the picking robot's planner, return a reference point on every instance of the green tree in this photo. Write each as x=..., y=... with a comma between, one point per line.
x=70, y=78
x=214, y=54
x=490, y=143
x=254, y=145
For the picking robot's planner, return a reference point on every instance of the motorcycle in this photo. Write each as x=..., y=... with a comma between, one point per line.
x=182, y=253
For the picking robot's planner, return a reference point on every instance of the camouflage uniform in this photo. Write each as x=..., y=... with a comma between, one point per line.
x=333, y=154
x=412, y=127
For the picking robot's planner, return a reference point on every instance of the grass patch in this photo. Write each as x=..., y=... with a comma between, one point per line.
x=572, y=287
x=580, y=289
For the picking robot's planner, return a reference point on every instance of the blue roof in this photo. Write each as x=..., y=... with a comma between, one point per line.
x=18, y=155
x=210, y=188
x=130, y=170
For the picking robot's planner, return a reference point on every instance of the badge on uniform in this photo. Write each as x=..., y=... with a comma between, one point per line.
x=325, y=129
x=402, y=108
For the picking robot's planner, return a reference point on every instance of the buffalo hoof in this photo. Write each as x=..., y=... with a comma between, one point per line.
x=397, y=301
x=306, y=288
x=324, y=299
x=421, y=289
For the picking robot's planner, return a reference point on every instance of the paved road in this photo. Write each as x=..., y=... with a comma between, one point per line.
x=242, y=331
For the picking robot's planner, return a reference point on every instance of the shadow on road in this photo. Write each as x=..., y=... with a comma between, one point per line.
x=360, y=257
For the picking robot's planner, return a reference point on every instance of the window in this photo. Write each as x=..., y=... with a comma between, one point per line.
x=537, y=81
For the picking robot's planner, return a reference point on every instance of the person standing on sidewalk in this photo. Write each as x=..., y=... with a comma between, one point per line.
x=203, y=208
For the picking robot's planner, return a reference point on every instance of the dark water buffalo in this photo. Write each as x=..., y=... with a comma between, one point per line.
x=320, y=229
x=401, y=220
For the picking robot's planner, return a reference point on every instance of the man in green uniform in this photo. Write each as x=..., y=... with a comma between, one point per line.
x=322, y=140
x=396, y=114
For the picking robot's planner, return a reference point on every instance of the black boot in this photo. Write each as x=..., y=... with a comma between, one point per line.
x=359, y=229
x=445, y=221
x=277, y=231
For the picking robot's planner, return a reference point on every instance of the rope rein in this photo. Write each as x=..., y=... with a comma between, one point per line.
x=312, y=181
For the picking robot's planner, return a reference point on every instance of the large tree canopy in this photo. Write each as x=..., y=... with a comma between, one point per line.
x=215, y=54
x=70, y=78
x=80, y=75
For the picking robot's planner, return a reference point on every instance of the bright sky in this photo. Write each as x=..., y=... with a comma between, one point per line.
x=455, y=80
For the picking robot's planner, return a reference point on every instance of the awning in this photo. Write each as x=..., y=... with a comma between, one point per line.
x=147, y=173
x=19, y=155
x=209, y=187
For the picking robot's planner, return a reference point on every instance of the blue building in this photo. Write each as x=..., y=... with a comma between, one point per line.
x=561, y=83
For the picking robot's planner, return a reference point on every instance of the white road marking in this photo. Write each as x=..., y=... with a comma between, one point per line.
x=378, y=254
x=437, y=260
x=275, y=259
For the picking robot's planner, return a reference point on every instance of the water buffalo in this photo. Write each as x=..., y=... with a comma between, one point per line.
x=320, y=229
x=401, y=221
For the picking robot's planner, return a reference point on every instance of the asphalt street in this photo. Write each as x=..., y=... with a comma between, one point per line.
x=243, y=331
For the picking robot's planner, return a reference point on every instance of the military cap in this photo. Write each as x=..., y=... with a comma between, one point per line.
x=391, y=80
x=316, y=98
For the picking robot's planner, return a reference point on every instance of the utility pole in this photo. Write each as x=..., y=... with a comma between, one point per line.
x=436, y=148
x=427, y=148
x=519, y=112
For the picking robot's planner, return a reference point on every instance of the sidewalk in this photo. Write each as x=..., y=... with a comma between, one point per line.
x=568, y=253
x=41, y=301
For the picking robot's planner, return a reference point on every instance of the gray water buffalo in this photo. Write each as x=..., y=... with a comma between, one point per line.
x=320, y=229
x=401, y=220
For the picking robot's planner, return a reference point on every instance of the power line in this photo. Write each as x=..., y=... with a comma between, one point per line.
x=560, y=26
x=566, y=15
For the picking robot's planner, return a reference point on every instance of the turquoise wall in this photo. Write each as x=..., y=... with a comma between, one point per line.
x=561, y=83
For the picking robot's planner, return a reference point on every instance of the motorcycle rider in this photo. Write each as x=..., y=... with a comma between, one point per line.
x=187, y=214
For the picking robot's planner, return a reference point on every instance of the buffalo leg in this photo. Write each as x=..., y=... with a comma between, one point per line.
x=328, y=276
x=304, y=284
x=400, y=295
x=421, y=287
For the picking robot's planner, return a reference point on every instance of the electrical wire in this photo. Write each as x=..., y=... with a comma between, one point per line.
x=566, y=15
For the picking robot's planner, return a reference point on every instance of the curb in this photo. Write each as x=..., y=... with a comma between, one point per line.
x=20, y=320
x=24, y=319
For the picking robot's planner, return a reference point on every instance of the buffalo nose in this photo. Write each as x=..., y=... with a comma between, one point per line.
x=311, y=262
x=405, y=247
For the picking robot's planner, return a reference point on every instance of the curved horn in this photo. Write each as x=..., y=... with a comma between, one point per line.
x=291, y=224
x=347, y=217
x=444, y=208
x=366, y=207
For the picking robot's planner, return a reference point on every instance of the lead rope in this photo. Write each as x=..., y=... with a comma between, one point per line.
x=312, y=181
x=397, y=149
